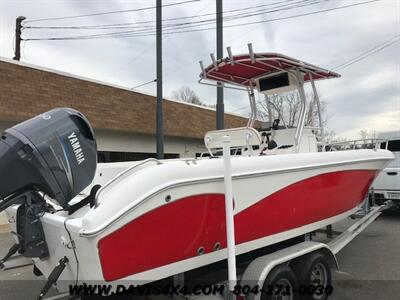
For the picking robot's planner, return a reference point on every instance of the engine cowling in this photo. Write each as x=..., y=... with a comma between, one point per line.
x=54, y=153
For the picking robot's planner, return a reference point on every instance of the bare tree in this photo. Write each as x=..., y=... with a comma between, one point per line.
x=364, y=134
x=331, y=137
x=186, y=94
x=286, y=107
x=214, y=106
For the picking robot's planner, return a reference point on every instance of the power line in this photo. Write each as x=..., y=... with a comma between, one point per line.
x=352, y=61
x=109, y=12
x=140, y=34
x=173, y=66
x=369, y=52
x=239, y=36
x=210, y=20
x=152, y=21
x=283, y=18
x=145, y=51
x=151, y=28
x=136, y=57
x=146, y=83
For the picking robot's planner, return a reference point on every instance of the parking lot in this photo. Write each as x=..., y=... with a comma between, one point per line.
x=369, y=265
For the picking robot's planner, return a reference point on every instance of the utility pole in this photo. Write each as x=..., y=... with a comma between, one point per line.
x=18, y=29
x=160, y=127
x=220, y=45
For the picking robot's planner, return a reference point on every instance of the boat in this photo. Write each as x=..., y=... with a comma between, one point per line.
x=149, y=220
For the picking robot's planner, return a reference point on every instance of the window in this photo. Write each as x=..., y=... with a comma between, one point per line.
x=114, y=156
x=394, y=145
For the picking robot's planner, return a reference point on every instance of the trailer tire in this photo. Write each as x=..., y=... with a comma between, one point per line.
x=281, y=275
x=314, y=276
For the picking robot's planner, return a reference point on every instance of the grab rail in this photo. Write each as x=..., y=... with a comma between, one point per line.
x=352, y=145
x=123, y=173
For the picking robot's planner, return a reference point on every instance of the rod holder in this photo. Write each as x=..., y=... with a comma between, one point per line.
x=203, y=71
x=229, y=50
x=251, y=52
x=214, y=61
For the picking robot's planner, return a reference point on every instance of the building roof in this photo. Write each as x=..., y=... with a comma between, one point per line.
x=27, y=90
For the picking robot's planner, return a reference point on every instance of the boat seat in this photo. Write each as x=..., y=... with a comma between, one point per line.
x=240, y=137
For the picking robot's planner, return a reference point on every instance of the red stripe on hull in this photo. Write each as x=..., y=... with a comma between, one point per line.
x=175, y=231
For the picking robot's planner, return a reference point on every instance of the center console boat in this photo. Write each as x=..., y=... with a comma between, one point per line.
x=153, y=219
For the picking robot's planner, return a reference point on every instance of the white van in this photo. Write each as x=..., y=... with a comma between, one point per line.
x=387, y=184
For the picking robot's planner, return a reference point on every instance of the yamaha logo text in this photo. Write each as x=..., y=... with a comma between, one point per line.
x=76, y=147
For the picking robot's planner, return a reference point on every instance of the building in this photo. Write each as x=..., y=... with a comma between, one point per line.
x=124, y=120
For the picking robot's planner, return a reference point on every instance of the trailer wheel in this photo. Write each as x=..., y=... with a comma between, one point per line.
x=315, y=278
x=281, y=283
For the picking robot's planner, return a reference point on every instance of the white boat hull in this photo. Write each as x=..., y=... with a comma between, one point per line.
x=167, y=219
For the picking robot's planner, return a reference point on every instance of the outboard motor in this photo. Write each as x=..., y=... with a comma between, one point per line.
x=53, y=154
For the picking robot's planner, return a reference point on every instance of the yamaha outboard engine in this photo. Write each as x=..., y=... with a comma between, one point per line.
x=52, y=154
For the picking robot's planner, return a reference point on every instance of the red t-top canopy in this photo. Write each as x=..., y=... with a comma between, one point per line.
x=244, y=69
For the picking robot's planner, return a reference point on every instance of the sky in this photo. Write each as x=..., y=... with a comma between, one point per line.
x=366, y=97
